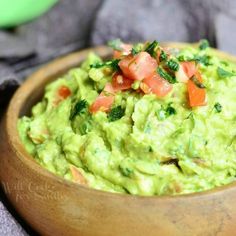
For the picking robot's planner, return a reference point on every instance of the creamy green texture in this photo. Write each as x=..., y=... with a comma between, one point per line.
x=159, y=146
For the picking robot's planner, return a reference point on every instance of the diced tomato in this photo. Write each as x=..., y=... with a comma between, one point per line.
x=197, y=96
x=138, y=67
x=181, y=75
x=189, y=67
x=126, y=50
x=64, y=92
x=156, y=85
x=109, y=88
x=120, y=82
x=102, y=103
x=186, y=70
x=77, y=176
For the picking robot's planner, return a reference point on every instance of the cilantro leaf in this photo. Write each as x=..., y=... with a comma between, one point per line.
x=126, y=171
x=170, y=110
x=116, y=113
x=203, y=44
x=112, y=63
x=134, y=51
x=173, y=65
x=166, y=76
x=218, y=107
x=79, y=108
x=164, y=113
x=163, y=56
x=224, y=73
x=150, y=48
x=115, y=44
x=137, y=48
x=205, y=59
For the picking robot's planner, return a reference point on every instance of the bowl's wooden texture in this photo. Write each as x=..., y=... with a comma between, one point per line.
x=54, y=206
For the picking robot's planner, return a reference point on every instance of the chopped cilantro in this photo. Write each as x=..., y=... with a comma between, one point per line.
x=137, y=48
x=224, y=73
x=116, y=113
x=173, y=65
x=218, y=107
x=203, y=44
x=112, y=63
x=134, y=51
x=163, y=56
x=205, y=59
x=197, y=82
x=126, y=171
x=166, y=76
x=79, y=108
x=115, y=44
x=150, y=149
x=164, y=113
x=182, y=58
x=150, y=48
x=170, y=110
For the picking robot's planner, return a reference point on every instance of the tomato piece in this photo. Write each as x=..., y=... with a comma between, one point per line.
x=120, y=82
x=64, y=92
x=156, y=85
x=77, y=176
x=109, y=88
x=181, y=75
x=197, y=96
x=189, y=67
x=126, y=50
x=102, y=103
x=138, y=67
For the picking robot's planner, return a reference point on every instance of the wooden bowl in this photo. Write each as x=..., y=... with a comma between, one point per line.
x=54, y=206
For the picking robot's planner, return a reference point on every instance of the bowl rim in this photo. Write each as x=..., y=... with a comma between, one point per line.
x=62, y=64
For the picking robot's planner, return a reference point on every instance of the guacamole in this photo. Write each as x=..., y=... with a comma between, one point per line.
x=150, y=121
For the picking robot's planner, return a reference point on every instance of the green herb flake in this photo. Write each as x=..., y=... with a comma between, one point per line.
x=79, y=108
x=224, y=73
x=150, y=149
x=203, y=44
x=150, y=48
x=173, y=65
x=197, y=82
x=166, y=76
x=170, y=110
x=115, y=44
x=126, y=171
x=182, y=58
x=164, y=113
x=116, y=113
x=134, y=51
x=204, y=60
x=163, y=56
x=137, y=48
x=218, y=107
x=114, y=64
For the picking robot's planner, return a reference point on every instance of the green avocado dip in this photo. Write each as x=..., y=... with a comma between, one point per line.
x=150, y=121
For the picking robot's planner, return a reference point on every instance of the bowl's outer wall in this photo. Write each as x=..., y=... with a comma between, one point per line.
x=54, y=206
